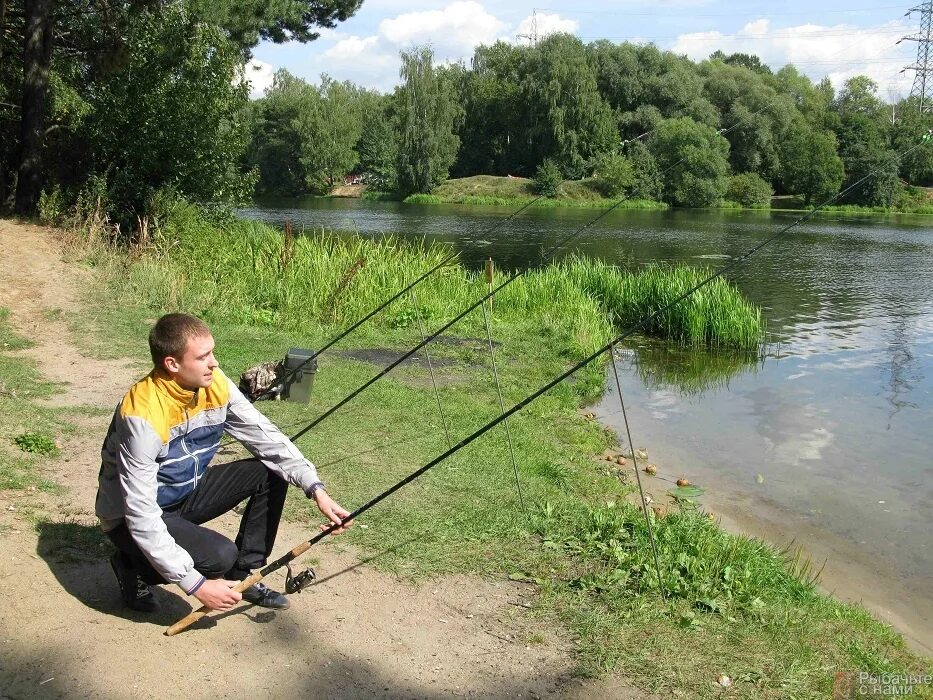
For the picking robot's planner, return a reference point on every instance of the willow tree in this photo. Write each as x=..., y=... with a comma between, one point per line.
x=427, y=114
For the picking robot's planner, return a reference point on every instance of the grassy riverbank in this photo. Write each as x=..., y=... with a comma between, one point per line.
x=733, y=606
x=491, y=190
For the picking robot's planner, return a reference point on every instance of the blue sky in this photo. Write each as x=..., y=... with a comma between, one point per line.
x=822, y=37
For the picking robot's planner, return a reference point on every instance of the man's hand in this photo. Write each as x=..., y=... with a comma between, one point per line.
x=332, y=511
x=216, y=594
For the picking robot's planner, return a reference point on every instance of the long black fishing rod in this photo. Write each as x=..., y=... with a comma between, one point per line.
x=343, y=334
x=450, y=257
x=634, y=328
x=514, y=276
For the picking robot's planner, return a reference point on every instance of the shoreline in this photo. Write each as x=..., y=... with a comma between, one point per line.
x=845, y=575
x=359, y=192
x=846, y=572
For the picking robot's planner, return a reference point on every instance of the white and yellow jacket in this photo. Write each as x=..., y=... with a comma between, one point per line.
x=160, y=442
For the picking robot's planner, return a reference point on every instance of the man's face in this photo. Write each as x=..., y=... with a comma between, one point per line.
x=194, y=369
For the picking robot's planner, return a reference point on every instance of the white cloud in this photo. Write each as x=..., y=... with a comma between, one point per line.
x=460, y=26
x=839, y=51
x=453, y=31
x=259, y=76
x=351, y=48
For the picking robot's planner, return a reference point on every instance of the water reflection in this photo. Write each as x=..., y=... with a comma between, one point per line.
x=662, y=367
x=904, y=369
x=835, y=416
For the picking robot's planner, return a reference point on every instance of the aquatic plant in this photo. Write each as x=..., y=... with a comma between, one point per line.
x=250, y=272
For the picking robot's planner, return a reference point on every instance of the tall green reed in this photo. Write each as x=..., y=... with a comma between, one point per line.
x=250, y=272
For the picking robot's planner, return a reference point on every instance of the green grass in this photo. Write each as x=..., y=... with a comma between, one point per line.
x=914, y=201
x=249, y=273
x=28, y=430
x=734, y=605
x=491, y=190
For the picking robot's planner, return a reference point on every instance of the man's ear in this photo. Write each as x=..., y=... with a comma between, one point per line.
x=171, y=365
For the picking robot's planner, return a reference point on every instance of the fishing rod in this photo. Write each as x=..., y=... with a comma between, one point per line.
x=295, y=584
x=343, y=334
x=492, y=292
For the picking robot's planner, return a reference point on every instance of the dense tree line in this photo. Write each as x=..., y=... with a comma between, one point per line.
x=127, y=101
x=640, y=120
x=124, y=100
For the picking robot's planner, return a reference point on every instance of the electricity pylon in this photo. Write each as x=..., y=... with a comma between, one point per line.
x=923, y=77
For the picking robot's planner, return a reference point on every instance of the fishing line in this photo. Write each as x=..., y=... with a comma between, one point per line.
x=641, y=491
x=343, y=334
x=514, y=276
x=639, y=325
x=437, y=394
x=495, y=373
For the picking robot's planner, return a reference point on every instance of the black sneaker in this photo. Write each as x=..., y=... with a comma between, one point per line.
x=136, y=593
x=260, y=594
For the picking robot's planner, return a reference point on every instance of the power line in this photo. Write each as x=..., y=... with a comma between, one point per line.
x=781, y=34
x=782, y=13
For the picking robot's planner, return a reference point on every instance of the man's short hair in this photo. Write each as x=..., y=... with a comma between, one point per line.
x=170, y=335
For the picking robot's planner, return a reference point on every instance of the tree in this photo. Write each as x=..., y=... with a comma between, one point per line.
x=648, y=183
x=377, y=148
x=275, y=149
x=494, y=117
x=427, y=113
x=749, y=190
x=811, y=165
x=328, y=128
x=876, y=172
x=615, y=176
x=249, y=21
x=569, y=121
x=912, y=124
x=693, y=159
x=93, y=34
x=756, y=117
x=548, y=178
x=630, y=77
x=745, y=60
x=170, y=119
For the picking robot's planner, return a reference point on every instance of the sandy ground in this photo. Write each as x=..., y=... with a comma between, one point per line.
x=356, y=633
x=348, y=191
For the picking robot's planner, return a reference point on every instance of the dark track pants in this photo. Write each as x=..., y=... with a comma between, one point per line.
x=221, y=488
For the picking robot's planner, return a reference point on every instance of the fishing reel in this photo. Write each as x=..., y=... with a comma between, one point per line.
x=295, y=583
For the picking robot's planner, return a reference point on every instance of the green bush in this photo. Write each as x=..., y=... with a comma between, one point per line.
x=547, y=179
x=750, y=190
x=52, y=205
x=615, y=176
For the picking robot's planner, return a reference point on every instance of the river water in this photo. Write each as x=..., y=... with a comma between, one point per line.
x=825, y=438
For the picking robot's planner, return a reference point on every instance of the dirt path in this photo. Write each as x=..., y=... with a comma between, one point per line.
x=357, y=633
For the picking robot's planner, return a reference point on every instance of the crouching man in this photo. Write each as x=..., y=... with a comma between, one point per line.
x=155, y=488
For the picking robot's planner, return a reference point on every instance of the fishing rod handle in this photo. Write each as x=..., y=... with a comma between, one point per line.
x=193, y=617
x=255, y=577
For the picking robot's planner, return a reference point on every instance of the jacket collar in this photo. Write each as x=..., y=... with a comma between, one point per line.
x=177, y=393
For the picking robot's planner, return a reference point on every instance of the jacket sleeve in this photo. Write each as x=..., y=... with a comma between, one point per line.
x=138, y=448
x=267, y=443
